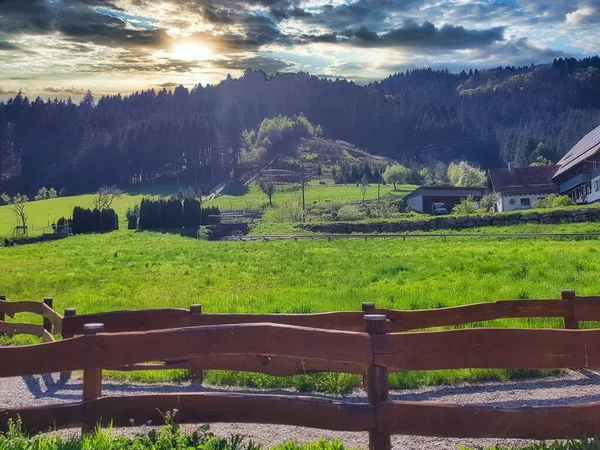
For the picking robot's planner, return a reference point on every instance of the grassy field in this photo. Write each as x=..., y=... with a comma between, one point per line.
x=151, y=270
x=43, y=213
x=253, y=197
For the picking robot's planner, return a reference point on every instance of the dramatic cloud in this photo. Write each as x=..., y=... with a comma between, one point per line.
x=412, y=35
x=124, y=45
x=65, y=90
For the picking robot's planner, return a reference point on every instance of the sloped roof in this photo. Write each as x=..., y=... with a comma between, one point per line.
x=586, y=147
x=523, y=179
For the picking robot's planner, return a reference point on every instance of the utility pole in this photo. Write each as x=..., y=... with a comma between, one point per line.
x=303, y=200
x=378, y=189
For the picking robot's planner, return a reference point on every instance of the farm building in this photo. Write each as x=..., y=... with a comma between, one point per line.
x=578, y=174
x=424, y=198
x=521, y=187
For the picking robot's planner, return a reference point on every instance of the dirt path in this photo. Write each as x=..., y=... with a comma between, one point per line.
x=570, y=388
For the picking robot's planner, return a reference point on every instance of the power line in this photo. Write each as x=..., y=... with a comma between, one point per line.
x=438, y=146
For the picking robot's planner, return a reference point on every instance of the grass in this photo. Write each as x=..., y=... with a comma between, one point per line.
x=43, y=213
x=254, y=198
x=135, y=270
x=168, y=437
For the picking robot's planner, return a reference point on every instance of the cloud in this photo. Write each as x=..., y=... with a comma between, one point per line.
x=588, y=12
x=8, y=46
x=64, y=90
x=258, y=62
x=413, y=35
x=8, y=91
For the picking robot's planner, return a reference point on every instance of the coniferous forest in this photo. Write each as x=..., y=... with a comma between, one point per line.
x=192, y=136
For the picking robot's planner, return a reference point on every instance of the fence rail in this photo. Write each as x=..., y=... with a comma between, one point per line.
x=52, y=321
x=191, y=339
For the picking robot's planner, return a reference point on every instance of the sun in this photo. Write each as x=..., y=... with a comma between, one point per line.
x=190, y=51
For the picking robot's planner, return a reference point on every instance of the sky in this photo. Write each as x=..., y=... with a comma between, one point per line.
x=61, y=48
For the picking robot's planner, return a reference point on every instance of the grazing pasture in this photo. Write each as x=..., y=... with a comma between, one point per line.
x=135, y=270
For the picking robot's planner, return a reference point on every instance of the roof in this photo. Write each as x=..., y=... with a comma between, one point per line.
x=445, y=191
x=523, y=179
x=586, y=147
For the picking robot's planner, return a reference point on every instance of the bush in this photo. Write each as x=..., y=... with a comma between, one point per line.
x=383, y=210
x=466, y=206
x=88, y=221
x=44, y=194
x=192, y=213
x=289, y=210
x=4, y=199
x=553, y=201
x=62, y=192
x=350, y=212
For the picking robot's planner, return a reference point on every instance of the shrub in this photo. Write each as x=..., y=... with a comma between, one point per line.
x=44, y=193
x=466, y=206
x=192, y=213
x=349, y=212
x=4, y=199
x=553, y=201
x=62, y=192
x=88, y=221
x=288, y=210
x=383, y=210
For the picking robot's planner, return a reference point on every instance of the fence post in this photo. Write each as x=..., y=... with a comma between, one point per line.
x=377, y=383
x=69, y=312
x=571, y=322
x=48, y=301
x=2, y=316
x=196, y=372
x=367, y=306
x=92, y=378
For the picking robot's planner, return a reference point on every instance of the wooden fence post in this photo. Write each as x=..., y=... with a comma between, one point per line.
x=2, y=316
x=196, y=372
x=69, y=312
x=377, y=384
x=368, y=306
x=92, y=378
x=48, y=301
x=570, y=320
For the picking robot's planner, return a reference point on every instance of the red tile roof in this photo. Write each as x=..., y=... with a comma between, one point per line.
x=523, y=179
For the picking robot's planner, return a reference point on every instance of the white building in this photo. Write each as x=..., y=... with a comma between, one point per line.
x=521, y=187
x=423, y=198
x=578, y=175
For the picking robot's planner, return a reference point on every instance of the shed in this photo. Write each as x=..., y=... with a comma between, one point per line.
x=423, y=198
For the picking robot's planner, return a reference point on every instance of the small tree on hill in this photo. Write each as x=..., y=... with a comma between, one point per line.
x=396, y=175
x=464, y=175
x=364, y=184
x=268, y=189
x=540, y=161
x=105, y=197
x=18, y=203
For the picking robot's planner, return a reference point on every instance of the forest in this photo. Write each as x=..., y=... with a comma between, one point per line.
x=196, y=136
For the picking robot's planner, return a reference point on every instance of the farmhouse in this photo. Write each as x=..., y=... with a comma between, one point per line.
x=423, y=198
x=520, y=187
x=578, y=174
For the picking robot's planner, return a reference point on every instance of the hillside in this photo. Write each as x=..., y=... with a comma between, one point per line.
x=193, y=136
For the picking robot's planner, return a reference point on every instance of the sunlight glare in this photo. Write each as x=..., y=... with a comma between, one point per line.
x=190, y=51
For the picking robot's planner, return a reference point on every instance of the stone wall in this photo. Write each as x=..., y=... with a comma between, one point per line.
x=459, y=222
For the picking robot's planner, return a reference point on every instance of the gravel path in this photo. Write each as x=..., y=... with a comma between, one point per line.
x=569, y=388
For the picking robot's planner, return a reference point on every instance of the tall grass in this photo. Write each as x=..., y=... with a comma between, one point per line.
x=137, y=270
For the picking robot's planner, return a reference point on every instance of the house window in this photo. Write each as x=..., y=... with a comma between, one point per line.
x=596, y=187
x=525, y=202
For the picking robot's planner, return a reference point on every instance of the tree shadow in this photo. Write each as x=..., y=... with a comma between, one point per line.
x=183, y=232
x=236, y=190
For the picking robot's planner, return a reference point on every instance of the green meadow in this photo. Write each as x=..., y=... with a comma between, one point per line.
x=135, y=270
x=43, y=213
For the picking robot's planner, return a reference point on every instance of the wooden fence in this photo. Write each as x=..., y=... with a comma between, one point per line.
x=330, y=341
x=52, y=321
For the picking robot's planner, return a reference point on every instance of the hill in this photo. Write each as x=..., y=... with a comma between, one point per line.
x=193, y=136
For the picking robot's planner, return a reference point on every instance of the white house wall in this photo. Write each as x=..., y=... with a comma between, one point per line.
x=594, y=196
x=505, y=205
x=416, y=203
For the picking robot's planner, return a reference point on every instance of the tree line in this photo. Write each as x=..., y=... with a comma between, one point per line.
x=195, y=136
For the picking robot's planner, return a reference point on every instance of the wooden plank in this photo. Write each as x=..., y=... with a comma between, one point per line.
x=155, y=366
x=45, y=418
x=469, y=421
x=478, y=312
x=587, y=308
x=279, y=366
x=233, y=408
x=12, y=328
x=488, y=348
x=122, y=349
x=12, y=308
x=156, y=319
x=42, y=358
